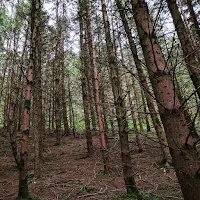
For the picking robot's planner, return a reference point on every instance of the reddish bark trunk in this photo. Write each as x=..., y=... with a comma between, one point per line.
x=23, y=175
x=96, y=84
x=184, y=156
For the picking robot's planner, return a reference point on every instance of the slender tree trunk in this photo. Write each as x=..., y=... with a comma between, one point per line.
x=188, y=118
x=145, y=112
x=104, y=109
x=143, y=82
x=12, y=119
x=52, y=96
x=38, y=125
x=57, y=78
x=188, y=51
x=119, y=106
x=190, y=32
x=64, y=104
x=139, y=116
x=194, y=18
x=71, y=109
x=184, y=156
x=133, y=115
x=131, y=103
x=23, y=175
x=89, y=87
x=96, y=83
x=84, y=85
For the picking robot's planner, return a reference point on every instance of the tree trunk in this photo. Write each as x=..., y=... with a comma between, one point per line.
x=119, y=106
x=131, y=103
x=96, y=84
x=143, y=82
x=64, y=104
x=57, y=78
x=38, y=125
x=23, y=175
x=194, y=18
x=184, y=157
x=145, y=112
x=84, y=86
x=104, y=108
x=133, y=116
x=188, y=51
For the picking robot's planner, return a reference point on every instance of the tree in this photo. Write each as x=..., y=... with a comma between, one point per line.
x=23, y=169
x=96, y=83
x=181, y=145
x=119, y=106
x=188, y=51
x=84, y=84
x=143, y=82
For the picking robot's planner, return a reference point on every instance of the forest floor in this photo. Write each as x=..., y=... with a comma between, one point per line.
x=67, y=173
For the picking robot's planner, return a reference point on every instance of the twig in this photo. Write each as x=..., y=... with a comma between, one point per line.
x=92, y=194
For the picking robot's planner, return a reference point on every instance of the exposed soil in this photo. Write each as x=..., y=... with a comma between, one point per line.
x=67, y=173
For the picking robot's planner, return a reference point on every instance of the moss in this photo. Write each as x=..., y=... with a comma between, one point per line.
x=27, y=104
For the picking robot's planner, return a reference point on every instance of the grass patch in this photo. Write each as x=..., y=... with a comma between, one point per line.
x=59, y=144
x=103, y=173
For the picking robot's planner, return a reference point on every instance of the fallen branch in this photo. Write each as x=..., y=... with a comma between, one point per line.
x=93, y=194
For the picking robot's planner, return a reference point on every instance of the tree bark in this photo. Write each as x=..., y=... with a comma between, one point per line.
x=58, y=77
x=145, y=112
x=143, y=82
x=194, y=18
x=64, y=104
x=38, y=125
x=84, y=85
x=119, y=106
x=184, y=156
x=91, y=46
x=188, y=51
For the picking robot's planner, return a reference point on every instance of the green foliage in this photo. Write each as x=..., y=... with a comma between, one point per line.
x=5, y=25
x=59, y=143
x=103, y=173
x=15, y=169
x=83, y=188
x=80, y=125
x=130, y=124
x=27, y=104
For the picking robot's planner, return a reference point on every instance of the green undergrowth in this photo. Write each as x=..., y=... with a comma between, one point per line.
x=103, y=173
x=80, y=125
x=59, y=144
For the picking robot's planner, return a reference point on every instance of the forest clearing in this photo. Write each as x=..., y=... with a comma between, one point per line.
x=100, y=99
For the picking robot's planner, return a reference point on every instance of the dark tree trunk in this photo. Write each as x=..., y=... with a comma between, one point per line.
x=145, y=113
x=188, y=51
x=84, y=85
x=119, y=106
x=194, y=18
